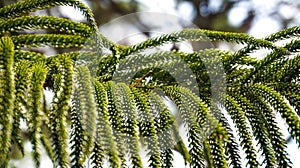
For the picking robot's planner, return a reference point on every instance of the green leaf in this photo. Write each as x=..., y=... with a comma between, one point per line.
x=277, y=101
x=164, y=122
x=147, y=127
x=129, y=112
x=44, y=22
x=7, y=96
x=257, y=122
x=239, y=118
x=274, y=132
x=104, y=136
x=39, y=74
x=58, y=111
x=189, y=117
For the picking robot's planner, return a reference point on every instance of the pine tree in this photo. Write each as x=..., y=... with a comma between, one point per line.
x=95, y=115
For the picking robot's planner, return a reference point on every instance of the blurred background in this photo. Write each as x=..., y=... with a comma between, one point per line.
x=255, y=17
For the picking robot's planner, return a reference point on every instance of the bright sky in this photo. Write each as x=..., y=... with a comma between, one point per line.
x=263, y=26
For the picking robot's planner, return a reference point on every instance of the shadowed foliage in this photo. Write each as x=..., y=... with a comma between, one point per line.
x=101, y=112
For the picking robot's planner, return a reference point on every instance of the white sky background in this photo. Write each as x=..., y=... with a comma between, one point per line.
x=262, y=26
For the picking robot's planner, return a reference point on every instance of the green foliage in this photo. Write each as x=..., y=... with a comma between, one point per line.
x=7, y=96
x=100, y=112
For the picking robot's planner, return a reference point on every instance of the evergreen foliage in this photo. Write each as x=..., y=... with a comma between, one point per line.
x=95, y=117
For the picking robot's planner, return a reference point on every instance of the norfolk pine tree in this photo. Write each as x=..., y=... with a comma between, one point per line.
x=93, y=117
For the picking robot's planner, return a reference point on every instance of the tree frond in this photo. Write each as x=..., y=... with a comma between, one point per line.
x=104, y=135
x=276, y=136
x=164, y=121
x=116, y=120
x=189, y=117
x=271, y=61
x=276, y=101
x=58, y=111
x=77, y=134
x=294, y=100
x=290, y=70
x=202, y=35
x=240, y=121
x=97, y=156
x=147, y=126
x=39, y=73
x=260, y=65
x=180, y=146
x=231, y=146
x=25, y=7
x=293, y=46
x=45, y=22
x=46, y=140
x=216, y=149
x=284, y=34
x=259, y=129
x=21, y=78
x=28, y=55
x=52, y=40
x=129, y=112
x=83, y=116
x=7, y=97
x=111, y=100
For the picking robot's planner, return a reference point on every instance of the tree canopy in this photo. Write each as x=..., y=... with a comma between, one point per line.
x=100, y=111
